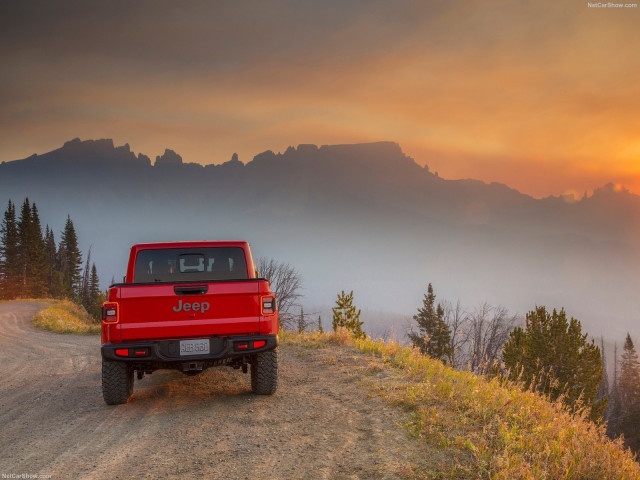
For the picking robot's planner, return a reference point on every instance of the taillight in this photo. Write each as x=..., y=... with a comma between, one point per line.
x=110, y=312
x=268, y=305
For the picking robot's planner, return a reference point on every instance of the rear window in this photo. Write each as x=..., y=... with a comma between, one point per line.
x=190, y=264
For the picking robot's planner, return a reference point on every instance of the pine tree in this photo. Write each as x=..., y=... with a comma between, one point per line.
x=552, y=356
x=70, y=262
x=614, y=405
x=603, y=388
x=95, y=304
x=36, y=257
x=31, y=257
x=346, y=316
x=84, y=293
x=24, y=230
x=320, y=329
x=434, y=336
x=54, y=277
x=9, y=254
x=630, y=395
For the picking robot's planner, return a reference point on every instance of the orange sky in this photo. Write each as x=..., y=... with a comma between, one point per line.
x=542, y=96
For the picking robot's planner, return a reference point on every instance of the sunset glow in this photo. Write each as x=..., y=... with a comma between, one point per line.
x=542, y=97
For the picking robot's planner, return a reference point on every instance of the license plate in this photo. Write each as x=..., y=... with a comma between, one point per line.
x=194, y=347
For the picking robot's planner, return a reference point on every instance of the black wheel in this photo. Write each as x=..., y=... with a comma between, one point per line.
x=117, y=382
x=264, y=372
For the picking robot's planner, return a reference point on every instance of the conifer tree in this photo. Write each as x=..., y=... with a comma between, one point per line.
x=614, y=406
x=36, y=257
x=320, y=329
x=9, y=254
x=70, y=261
x=629, y=387
x=603, y=388
x=434, y=336
x=54, y=277
x=84, y=295
x=346, y=316
x=301, y=322
x=552, y=356
x=31, y=260
x=30, y=265
x=24, y=230
x=94, y=293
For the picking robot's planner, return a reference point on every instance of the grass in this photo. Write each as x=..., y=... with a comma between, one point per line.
x=63, y=316
x=509, y=433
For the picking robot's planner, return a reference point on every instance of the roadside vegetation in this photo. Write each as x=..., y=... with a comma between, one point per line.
x=509, y=432
x=549, y=354
x=32, y=265
x=64, y=316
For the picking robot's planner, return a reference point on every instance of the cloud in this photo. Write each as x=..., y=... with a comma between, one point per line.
x=502, y=80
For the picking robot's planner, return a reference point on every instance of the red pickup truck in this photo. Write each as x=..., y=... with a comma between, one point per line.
x=189, y=306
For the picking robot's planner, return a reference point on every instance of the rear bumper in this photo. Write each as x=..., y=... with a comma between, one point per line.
x=168, y=351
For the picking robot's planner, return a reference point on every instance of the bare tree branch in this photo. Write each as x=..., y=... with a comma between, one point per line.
x=286, y=284
x=456, y=317
x=488, y=331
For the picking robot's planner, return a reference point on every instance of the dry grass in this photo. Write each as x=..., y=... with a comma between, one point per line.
x=26, y=299
x=63, y=316
x=315, y=339
x=510, y=433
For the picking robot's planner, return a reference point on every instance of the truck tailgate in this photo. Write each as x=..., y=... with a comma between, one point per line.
x=161, y=311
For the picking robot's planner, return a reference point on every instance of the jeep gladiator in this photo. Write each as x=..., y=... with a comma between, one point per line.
x=188, y=306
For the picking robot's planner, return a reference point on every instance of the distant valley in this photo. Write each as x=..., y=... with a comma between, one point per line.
x=364, y=217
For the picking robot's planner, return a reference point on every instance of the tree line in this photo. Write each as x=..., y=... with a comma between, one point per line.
x=33, y=266
x=549, y=354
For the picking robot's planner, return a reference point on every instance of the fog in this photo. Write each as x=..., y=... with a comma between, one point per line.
x=364, y=218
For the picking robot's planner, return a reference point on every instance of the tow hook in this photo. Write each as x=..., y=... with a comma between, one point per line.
x=241, y=364
x=192, y=366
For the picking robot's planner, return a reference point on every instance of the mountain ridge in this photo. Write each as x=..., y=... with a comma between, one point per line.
x=361, y=216
x=105, y=150
x=372, y=155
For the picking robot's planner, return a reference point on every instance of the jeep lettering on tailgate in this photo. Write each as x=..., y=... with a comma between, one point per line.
x=191, y=307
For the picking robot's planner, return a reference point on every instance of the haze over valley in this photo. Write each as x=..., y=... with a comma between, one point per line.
x=364, y=217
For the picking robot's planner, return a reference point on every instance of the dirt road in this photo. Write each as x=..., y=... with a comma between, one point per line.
x=320, y=423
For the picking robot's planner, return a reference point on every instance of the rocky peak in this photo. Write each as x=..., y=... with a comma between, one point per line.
x=169, y=158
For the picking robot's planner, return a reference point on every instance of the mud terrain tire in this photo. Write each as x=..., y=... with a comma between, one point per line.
x=264, y=372
x=117, y=382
